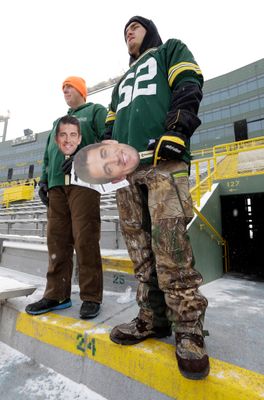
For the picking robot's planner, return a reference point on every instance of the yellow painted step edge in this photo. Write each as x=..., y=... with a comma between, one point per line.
x=122, y=265
x=151, y=362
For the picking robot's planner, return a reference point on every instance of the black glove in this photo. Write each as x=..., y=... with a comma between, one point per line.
x=170, y=146
x=66, y=166
x=43, y=193
x=108, y=132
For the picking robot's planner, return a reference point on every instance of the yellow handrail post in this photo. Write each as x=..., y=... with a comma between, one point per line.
x=209, y=175
x=197, y=180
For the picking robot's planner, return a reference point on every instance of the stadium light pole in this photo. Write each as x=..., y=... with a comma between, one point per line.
x=4, y=118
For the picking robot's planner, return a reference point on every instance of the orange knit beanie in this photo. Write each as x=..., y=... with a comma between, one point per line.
x=78, y=84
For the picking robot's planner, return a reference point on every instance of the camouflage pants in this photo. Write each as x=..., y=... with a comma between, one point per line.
x=154, y=212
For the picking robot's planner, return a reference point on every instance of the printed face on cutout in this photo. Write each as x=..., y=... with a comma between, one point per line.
x=109, y=161
x=68, y=138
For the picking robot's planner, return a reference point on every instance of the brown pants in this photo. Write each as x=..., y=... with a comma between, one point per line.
x=74, y=222
x=154, y=212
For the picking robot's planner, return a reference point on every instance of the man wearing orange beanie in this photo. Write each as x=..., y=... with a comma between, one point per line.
x=77, y=83
x=73, y=211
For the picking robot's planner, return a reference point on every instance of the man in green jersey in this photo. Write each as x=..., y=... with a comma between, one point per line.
x=155, y=106
x=73, y=211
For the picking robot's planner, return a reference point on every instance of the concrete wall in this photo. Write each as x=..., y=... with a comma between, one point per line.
x=207, y=251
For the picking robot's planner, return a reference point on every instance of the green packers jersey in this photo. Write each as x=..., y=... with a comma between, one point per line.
x=142, y=98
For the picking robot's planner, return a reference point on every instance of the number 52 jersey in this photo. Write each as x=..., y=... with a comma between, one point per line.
x=142, y=98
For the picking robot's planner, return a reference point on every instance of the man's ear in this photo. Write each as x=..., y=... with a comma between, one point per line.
x=119, y=179
x=109, y=141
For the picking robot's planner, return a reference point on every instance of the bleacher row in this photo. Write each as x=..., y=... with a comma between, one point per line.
x=251, y=161
x=29, y=218
x=146, y=370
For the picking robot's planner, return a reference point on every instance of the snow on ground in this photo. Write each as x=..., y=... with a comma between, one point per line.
x=23, y=379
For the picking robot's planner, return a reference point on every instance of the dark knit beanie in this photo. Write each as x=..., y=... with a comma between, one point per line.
x=151, y=39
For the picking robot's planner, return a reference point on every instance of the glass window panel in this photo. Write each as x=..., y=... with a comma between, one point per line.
x=253, y=105
x=252, y=85
x=233, y=91
x=206, y=100
x=217, y=115
x=242, y=88
x=207, y=117
x=234, y=110
x=243, y=107
x=261, y=82
x=254, y=126
x=225, y=112
x=195, y=139
x=224, y=95
x=261, y=102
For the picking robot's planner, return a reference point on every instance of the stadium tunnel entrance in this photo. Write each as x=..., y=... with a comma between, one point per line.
x=243, y=228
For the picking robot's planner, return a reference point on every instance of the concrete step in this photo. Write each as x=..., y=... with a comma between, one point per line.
x=15, y=225
x=10, y=288
x=43, y=384
x=82, y=350
x=32, y=258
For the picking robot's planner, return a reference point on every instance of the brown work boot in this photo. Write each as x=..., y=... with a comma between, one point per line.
x=136, y=331
x=191, y=355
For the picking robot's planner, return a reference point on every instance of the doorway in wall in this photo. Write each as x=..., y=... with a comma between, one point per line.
x=243, y=228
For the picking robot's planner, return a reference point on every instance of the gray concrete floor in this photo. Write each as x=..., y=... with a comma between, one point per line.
x=34, y=381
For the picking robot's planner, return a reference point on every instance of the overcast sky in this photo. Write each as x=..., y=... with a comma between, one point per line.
x=43, y=42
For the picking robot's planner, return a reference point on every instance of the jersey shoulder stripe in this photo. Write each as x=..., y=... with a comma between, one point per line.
x=111, y=116
x=181, y=67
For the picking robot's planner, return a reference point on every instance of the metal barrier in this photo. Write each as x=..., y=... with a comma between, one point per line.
x=229, y=161
x=32, y=181
x=233, y=155
x=17, y=193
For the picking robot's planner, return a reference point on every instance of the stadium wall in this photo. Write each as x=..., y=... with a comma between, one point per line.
x=232, y=109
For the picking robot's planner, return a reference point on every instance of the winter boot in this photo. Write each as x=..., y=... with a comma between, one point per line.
x=136, y=331
x=191, y=355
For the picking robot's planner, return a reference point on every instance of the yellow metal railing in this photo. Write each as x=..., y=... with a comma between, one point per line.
x=242, y=145
x=227, y=159
x=204, y=185
x=207, y=152
x=226, y=163
x=19, y=182
x=17, y=193
x=197, y=192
